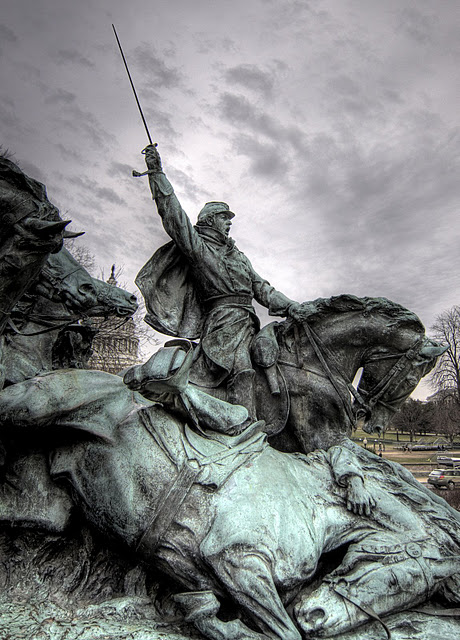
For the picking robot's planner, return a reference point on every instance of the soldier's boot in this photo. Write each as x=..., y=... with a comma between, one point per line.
x=240, y=390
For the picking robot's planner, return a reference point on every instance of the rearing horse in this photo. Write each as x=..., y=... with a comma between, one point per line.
x=317, y=362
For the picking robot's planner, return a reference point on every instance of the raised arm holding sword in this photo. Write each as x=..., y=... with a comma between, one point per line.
x=201, y=285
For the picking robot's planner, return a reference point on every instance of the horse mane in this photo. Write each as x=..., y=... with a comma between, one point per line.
x=347, y=303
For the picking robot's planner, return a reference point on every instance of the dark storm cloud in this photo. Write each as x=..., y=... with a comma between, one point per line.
x=60, y=96
x=30, y=169
x=245, y=116
x=7, y=35
x=377, y=207
x=97, y=197
x=161, y=123
x=407, y=166
x=84, y=124
x=251, y=77
x=9, y=120
x=152, y=64
x=266, y=160
x=186, y=184
x=119, y=169
x=205, y=44
x=349, y=96
x=418, y=25
x=71, y=55
x=69, y=152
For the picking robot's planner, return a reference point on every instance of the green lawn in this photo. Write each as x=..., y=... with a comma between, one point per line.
x=392, y=438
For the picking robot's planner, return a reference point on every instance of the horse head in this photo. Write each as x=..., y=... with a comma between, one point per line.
x=26, y=212
x=64, y=279
x=114, y=301
x=389, y=378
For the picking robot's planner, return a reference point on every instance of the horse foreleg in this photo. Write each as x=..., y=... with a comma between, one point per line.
x=318, y=419
x=248, y=579
x=201, y=607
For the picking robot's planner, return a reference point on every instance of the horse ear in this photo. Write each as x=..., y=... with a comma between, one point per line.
x=432, y=349
x=73, y=234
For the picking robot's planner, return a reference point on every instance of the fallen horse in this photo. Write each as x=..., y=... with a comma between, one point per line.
x=229, y=517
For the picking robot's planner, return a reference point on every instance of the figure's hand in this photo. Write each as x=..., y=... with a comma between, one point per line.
x=359, y=500
x=152, y=158
x=301, y=312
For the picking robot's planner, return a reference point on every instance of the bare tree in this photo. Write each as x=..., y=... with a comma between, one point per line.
x=5, y=153
x=446, y=415
x=446, y=375
x=413, y=417
x=445, y=378
x=82, y=255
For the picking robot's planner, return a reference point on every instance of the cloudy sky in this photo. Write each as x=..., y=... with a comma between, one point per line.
x=329, y=126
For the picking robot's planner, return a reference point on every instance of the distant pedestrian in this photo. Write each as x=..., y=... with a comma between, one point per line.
x=365, y=443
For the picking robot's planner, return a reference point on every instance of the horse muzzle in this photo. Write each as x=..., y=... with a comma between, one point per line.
x=322, y=614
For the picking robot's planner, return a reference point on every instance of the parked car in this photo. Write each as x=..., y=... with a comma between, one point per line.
x=449, y=478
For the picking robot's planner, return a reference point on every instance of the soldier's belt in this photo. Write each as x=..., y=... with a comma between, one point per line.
x=221, y=301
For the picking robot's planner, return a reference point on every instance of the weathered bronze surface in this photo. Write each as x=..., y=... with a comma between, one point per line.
x=149, y=506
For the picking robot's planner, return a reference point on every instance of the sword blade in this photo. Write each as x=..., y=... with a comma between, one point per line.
x=132, y=84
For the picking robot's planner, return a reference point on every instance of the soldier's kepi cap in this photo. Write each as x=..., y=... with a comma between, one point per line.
x=212, y=208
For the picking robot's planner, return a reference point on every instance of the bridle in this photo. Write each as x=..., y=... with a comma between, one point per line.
x=393, y=377
x=56, y=282
x=50, y=322
x=365, y=401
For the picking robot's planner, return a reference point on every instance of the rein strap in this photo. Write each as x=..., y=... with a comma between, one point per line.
x=314, y=340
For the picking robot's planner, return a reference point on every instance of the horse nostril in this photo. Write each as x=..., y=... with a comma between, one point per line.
x=87, y=289
x=316, y=616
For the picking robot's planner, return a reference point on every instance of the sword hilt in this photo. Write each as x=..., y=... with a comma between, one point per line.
x=137, y=174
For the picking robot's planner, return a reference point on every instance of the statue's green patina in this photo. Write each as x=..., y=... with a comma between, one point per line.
x=260, y=544
x=202, y=286
x=231, y=517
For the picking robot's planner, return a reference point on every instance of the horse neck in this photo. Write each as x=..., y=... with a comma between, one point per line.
x=62, y=264
x=346, y=337
x=165, y=436
x=353, y=336
x=13, y=287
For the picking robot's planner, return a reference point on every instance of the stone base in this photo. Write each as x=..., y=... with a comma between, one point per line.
x=133, y=618
x=72, y=587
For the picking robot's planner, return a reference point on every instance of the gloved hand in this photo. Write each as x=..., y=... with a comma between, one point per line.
x=301, y=311
x=152, y=158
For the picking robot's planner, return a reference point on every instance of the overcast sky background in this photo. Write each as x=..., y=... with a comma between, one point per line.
x=330, y=127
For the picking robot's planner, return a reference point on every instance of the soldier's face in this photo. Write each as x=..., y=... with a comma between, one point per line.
x=222, y=223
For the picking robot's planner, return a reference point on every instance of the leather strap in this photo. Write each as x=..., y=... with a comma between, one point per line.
x=367, y=610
